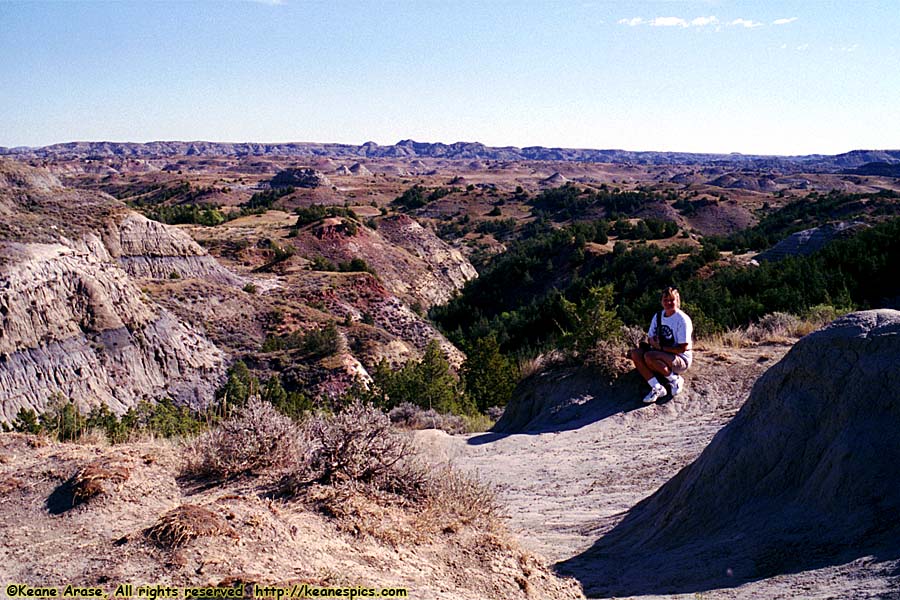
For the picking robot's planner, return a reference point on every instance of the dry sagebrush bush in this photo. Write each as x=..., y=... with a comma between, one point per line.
x=773, y=326
x=360, y=445
x=633, y=336
x=357, y=453
x=410, y=416
x=256, y=439
x=608, y=357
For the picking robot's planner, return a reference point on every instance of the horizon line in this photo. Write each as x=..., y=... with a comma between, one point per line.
x=8, y=149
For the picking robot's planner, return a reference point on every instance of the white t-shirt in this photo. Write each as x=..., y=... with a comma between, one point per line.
x=677, y=329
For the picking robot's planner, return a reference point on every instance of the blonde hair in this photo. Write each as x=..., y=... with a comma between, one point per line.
x=671, y=291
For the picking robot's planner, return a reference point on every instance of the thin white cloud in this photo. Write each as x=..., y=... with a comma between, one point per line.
x=668, y=22
x=784, y=21
x=748, y=23
x=704, y=21
x=802, y=47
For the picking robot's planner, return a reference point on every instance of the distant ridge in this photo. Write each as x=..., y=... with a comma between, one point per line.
x=409, y=149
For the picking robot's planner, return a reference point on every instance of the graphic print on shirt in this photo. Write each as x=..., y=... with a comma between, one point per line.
x=666, y=336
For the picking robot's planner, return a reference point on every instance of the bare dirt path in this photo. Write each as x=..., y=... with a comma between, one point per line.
x=567, y=482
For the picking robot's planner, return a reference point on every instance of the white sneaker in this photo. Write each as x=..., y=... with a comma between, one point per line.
x=677, y=385
x=655, y=394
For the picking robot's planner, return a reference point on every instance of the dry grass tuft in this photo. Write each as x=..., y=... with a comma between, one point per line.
x=95, y=479
x=363, y=511
x=258, y=438
x=185, y=523
x=455, y=499
x=534, y=365
x=732, y=338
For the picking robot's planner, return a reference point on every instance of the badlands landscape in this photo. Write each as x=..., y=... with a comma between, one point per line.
x=141, y=275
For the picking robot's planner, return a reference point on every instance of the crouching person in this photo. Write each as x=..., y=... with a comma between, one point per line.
x=668, y=350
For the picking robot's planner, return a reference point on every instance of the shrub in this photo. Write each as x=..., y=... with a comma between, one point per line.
x=323, y=341
x=632, y=336
x=822, y=314
x=773, y=325
x=27, y=421
x=356, y=265
x=357, y=462
x=410, y=416
x=255, y=439
x=320, y=263
x=359, y=445
x=317, y=212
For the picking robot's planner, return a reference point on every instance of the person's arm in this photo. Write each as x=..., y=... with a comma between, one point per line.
x=676, y=349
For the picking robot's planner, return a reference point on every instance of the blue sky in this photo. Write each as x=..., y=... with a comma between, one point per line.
x=697, y=76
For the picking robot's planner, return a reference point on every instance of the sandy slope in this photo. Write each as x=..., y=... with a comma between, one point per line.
x=569, y=479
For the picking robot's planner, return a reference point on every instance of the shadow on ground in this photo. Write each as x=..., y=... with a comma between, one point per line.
x=565, y=400
x=729, y=558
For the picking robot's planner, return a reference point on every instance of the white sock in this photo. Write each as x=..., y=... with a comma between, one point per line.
x=672, y=377
x=653, y=382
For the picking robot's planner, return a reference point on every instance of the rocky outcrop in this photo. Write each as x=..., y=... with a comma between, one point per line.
x=555, y=180
x=75, y=325
x=746, y=181
x=74, y=322
x=146, y=248
x=804, y=243
x=360, y=170
x=804, y=476
x=304, y=178
x=361, y=297
x=411, y=261
x=447, y=270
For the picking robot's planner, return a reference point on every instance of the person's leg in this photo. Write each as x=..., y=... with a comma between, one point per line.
x=659, y=362
x=669, y=365
x=639, y=358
